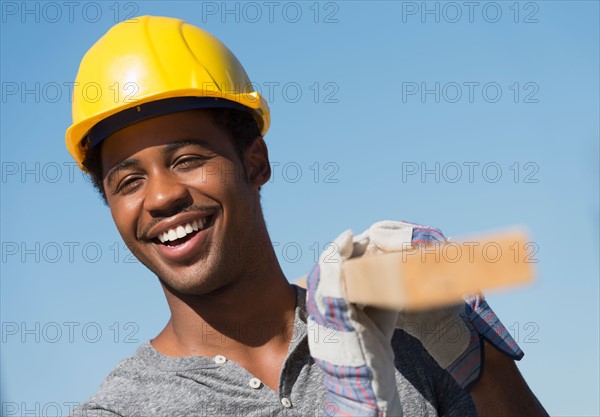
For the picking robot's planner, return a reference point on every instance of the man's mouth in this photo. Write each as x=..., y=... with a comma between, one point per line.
x=180, y=234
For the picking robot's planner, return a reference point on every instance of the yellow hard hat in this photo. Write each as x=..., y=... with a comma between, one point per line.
x=153, y=65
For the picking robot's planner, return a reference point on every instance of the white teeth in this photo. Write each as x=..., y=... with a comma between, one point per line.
x=181, y=231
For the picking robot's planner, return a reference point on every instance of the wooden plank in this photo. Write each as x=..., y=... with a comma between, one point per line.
x=428, y=277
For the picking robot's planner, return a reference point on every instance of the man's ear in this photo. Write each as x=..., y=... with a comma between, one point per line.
x=256, y=162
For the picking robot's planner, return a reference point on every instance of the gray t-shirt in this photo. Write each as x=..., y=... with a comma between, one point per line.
x=151, y=384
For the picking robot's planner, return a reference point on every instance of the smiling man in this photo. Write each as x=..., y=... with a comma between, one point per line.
x=177, y=152
x=187, y=203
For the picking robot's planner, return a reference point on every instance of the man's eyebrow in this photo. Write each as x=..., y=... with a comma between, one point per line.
x=128, y=163
x=172, y=147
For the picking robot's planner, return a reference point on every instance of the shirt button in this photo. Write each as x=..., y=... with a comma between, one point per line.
x=254, y=383
x=286, y=403
x=220, y=359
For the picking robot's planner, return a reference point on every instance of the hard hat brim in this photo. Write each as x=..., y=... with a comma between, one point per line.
x=77, y=134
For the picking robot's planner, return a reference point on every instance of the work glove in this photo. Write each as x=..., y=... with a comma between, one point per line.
x=453, y=336
x=351, y=345
x=356, y=366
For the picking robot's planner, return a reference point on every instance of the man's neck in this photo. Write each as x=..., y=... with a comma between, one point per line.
x=250, y=316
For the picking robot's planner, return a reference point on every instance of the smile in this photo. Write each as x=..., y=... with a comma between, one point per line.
x=181, y=231
x=182, y=238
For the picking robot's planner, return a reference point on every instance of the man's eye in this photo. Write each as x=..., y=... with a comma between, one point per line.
x=187, y=162
x=129, y=184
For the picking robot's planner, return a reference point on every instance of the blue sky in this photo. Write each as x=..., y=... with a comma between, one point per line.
x=467, y=118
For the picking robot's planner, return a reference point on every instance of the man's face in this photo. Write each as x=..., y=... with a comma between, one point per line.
x=181, y=200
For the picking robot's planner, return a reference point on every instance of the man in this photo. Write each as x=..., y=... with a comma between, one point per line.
x=177, y=152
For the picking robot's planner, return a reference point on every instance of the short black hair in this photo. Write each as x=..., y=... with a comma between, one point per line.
x=240, y=125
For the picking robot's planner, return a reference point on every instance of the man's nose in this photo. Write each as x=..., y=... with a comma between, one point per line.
x=165, y=195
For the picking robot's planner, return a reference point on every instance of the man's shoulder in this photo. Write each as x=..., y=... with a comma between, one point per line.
x=419, y=375
x=131, y=382
x=150, y=383
x=128, y=373
x=119, y=385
